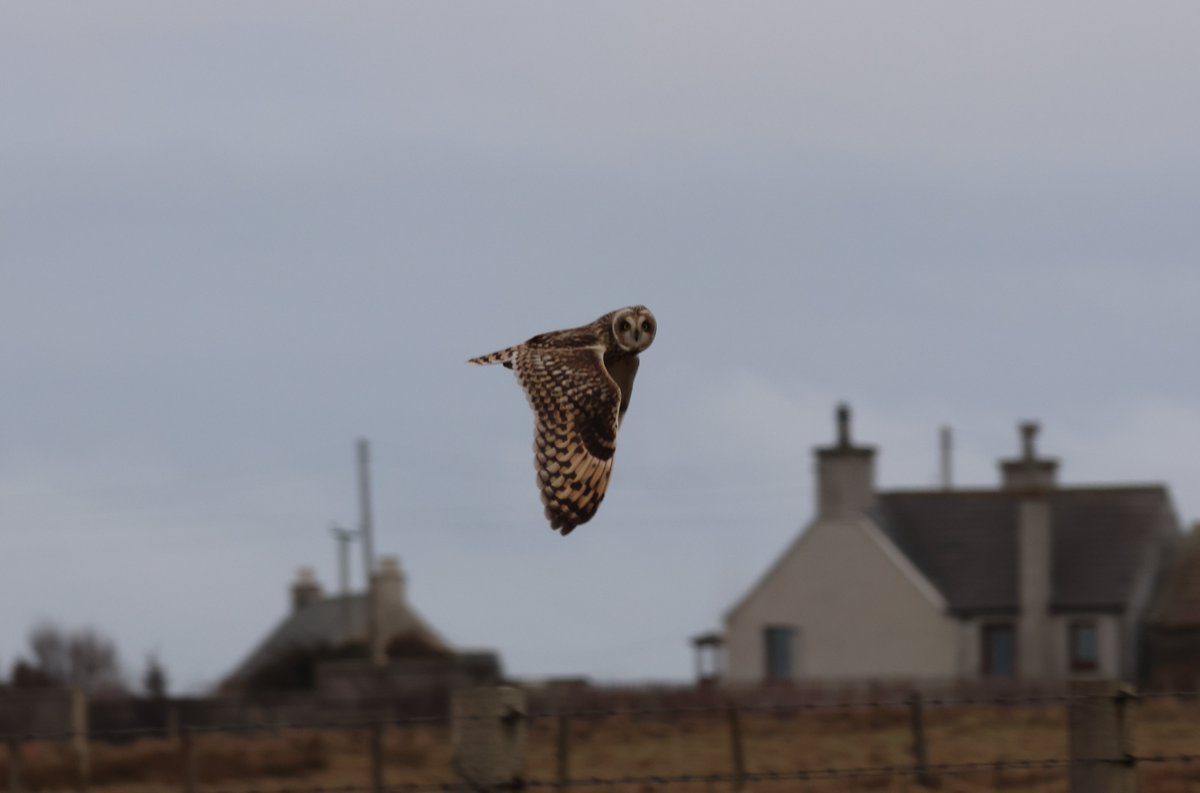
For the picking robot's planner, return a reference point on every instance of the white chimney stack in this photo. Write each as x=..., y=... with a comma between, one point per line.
x=845, y=474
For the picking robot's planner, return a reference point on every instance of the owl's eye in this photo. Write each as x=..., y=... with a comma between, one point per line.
x=645, y=327
x=625, y=326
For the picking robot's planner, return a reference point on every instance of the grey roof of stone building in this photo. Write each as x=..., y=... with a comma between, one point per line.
x=965, y=542
x=334, y=621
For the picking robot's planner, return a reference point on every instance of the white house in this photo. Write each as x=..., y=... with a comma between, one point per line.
x=1031, y=580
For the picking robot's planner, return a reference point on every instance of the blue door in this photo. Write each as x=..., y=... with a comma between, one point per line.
x=779, y=651
x=999, y=656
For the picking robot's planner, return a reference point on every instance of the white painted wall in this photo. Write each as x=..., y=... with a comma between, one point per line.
x=1108, y=638
x=1054, y=647
x=861, y=608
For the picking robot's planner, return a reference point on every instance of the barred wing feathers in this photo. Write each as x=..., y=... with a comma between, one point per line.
x=576, y=409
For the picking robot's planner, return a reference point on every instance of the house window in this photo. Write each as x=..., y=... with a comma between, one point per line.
x=779, y=650
x=1085, y=653
x=999, y=652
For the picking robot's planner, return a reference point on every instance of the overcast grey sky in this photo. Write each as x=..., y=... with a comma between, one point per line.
x=234, y=237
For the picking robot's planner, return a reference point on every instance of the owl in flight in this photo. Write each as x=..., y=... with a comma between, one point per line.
x=578, y=382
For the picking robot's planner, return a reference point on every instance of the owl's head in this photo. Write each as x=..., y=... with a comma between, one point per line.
x=634, y=328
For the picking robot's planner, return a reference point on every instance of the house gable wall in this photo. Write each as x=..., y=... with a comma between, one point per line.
x=859, y=607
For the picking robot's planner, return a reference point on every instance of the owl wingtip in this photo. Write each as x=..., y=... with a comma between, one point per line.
x=558, y=523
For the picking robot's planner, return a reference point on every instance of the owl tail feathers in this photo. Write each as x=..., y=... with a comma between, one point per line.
x=504, y=356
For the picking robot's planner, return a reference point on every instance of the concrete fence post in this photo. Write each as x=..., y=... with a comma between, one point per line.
x=489, y=737
x=1100, y=720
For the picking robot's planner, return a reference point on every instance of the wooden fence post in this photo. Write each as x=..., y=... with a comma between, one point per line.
x=15, y=783
x=489, y=735
x=187, y=756
x=735, y=742
x=173, y=722
x=377, y=756
x=79, y=737
x=1101, y=737
x=916, y=708
x=564, y=750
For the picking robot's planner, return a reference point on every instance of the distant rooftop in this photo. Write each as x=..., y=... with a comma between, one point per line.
x=964, y=542
x=339, y=620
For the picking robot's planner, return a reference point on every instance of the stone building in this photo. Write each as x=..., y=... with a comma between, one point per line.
x=1032, y=580
x=321, y=646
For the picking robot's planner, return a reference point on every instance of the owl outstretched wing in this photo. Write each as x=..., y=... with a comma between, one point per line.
x=576, y=406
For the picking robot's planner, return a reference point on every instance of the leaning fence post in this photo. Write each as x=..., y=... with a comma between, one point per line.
x=735, y=740
x=15, y=783
x=489, y=735
x=916, y=707
x=1101, y=737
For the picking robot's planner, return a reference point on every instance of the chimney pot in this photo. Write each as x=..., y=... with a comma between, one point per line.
x=1029, y=431
x=1028, y=471
x=843, y=426
x=306, y=590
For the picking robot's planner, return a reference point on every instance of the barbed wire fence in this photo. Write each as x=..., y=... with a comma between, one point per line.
x=489, y=735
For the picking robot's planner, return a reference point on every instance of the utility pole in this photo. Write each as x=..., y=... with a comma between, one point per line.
x=374, y=646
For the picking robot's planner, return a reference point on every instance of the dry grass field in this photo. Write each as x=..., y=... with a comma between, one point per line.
x=639, y=746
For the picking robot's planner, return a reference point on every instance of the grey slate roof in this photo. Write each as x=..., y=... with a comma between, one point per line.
x=1178, y=604
x=965, y=542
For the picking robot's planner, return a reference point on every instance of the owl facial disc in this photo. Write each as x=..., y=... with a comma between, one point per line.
x=634, y=328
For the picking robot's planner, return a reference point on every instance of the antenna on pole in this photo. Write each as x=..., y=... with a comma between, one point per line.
x=343, y=537
x=947, y=442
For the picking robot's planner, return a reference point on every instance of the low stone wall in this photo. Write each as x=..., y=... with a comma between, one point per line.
x=35, y=712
